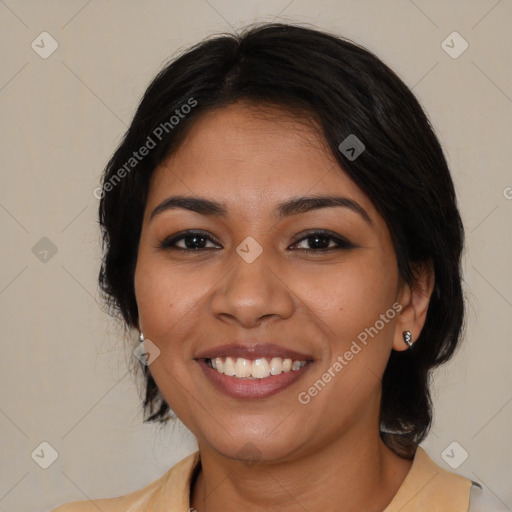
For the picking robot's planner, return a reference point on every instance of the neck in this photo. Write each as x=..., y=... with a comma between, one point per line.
x=356, y=472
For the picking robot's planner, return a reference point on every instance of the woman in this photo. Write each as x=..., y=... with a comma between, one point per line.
x=281, y=228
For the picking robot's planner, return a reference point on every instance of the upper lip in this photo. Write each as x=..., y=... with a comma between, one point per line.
x=253, y=351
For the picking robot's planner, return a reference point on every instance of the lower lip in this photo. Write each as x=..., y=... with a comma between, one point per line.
x=251, y=388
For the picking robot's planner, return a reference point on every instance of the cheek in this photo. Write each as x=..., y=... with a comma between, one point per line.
x=167, y=305
x=348, y=298
x=168, y=298
x=158, y=295
x=354, y=310
x=346, y=305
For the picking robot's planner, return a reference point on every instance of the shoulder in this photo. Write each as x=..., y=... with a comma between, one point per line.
x=430, y=487
x=123, y=503
x=174, y=482
x=481, y=500
x=76, y=506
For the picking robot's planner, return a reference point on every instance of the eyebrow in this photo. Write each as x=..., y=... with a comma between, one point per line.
x=288, y=208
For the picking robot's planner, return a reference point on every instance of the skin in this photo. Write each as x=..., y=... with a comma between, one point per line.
x=315, y=303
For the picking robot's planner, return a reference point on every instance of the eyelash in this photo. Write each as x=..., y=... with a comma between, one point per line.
x=169, y=243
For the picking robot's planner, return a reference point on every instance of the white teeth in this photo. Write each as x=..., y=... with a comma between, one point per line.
x=243, y=367
x=276, y=365
x=229, y=366
x=218, y=364
x=297, y=365
x=257, y=369
x=260, y=368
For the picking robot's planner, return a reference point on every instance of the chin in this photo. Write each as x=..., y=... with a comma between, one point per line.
x=253, y=449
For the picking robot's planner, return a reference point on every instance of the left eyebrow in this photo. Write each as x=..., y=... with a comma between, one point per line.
x=287, y=208
x=306, y=204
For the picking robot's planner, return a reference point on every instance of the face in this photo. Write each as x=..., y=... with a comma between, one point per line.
x=253, y=280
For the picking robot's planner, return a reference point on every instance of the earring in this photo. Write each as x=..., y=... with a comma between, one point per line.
x=407, y=336
x=141, y=337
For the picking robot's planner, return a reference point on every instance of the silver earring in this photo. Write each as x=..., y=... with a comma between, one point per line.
x=407, y=336
x=141, y=337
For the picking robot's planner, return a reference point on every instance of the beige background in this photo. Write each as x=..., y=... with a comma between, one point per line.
x=64, y=377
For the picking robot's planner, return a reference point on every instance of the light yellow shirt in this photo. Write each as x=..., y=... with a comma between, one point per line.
x=426, y=488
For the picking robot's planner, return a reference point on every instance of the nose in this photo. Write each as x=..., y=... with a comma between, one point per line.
x=252, y=292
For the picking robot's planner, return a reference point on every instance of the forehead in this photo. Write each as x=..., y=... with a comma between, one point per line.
x=253, y=156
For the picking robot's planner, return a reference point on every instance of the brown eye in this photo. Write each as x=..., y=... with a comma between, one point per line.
x=319, y=241
x=190, y=241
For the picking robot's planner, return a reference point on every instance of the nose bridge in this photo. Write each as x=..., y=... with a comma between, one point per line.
x=251, y=268
x=251, y=288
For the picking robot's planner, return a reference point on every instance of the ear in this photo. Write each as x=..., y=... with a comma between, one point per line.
x=414, y=300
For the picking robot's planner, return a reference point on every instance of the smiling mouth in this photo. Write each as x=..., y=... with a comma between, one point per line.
x=253, y=369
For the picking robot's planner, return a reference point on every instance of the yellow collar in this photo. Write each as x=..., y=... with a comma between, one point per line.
x=427, y=488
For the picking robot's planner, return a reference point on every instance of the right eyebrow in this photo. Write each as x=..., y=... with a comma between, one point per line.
x=195, y=204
